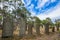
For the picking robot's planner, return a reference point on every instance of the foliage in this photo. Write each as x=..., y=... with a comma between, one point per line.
x=47, y=20
x=0, y=17
x=37, y=20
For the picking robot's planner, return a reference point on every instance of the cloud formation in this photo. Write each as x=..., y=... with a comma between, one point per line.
x=53, y=14
x=44, y=8
x=41, y=3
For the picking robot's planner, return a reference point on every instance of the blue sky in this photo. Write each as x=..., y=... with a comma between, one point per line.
x=43, y=8
x=39, y=8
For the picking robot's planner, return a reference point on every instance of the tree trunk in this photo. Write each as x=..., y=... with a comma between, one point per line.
x=26, y=27
x=57, y=27
x=53, y=29
x=7, y=30
x=22, y=28
x=47, y=28
x=38, y=29
x=30, y=29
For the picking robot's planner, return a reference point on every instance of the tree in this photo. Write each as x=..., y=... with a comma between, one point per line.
x=37, y=24
x=57, y=23
x=1, y=19
x=7, y=26
x=22, y=15
x=46, y=23
x=53, y=29
x=52, y=26
x=30, y=26
x=7, y=30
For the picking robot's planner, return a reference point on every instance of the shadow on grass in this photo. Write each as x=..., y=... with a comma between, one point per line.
x=19, y=38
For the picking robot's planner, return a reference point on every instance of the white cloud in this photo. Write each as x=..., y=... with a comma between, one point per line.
x=28, y=2
x=23, y=1
x=33, y=13
x=31, y=10
x=53, y=14
x=41, y=3
x=1, y=6
x=31, y=7
x=53, y=0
